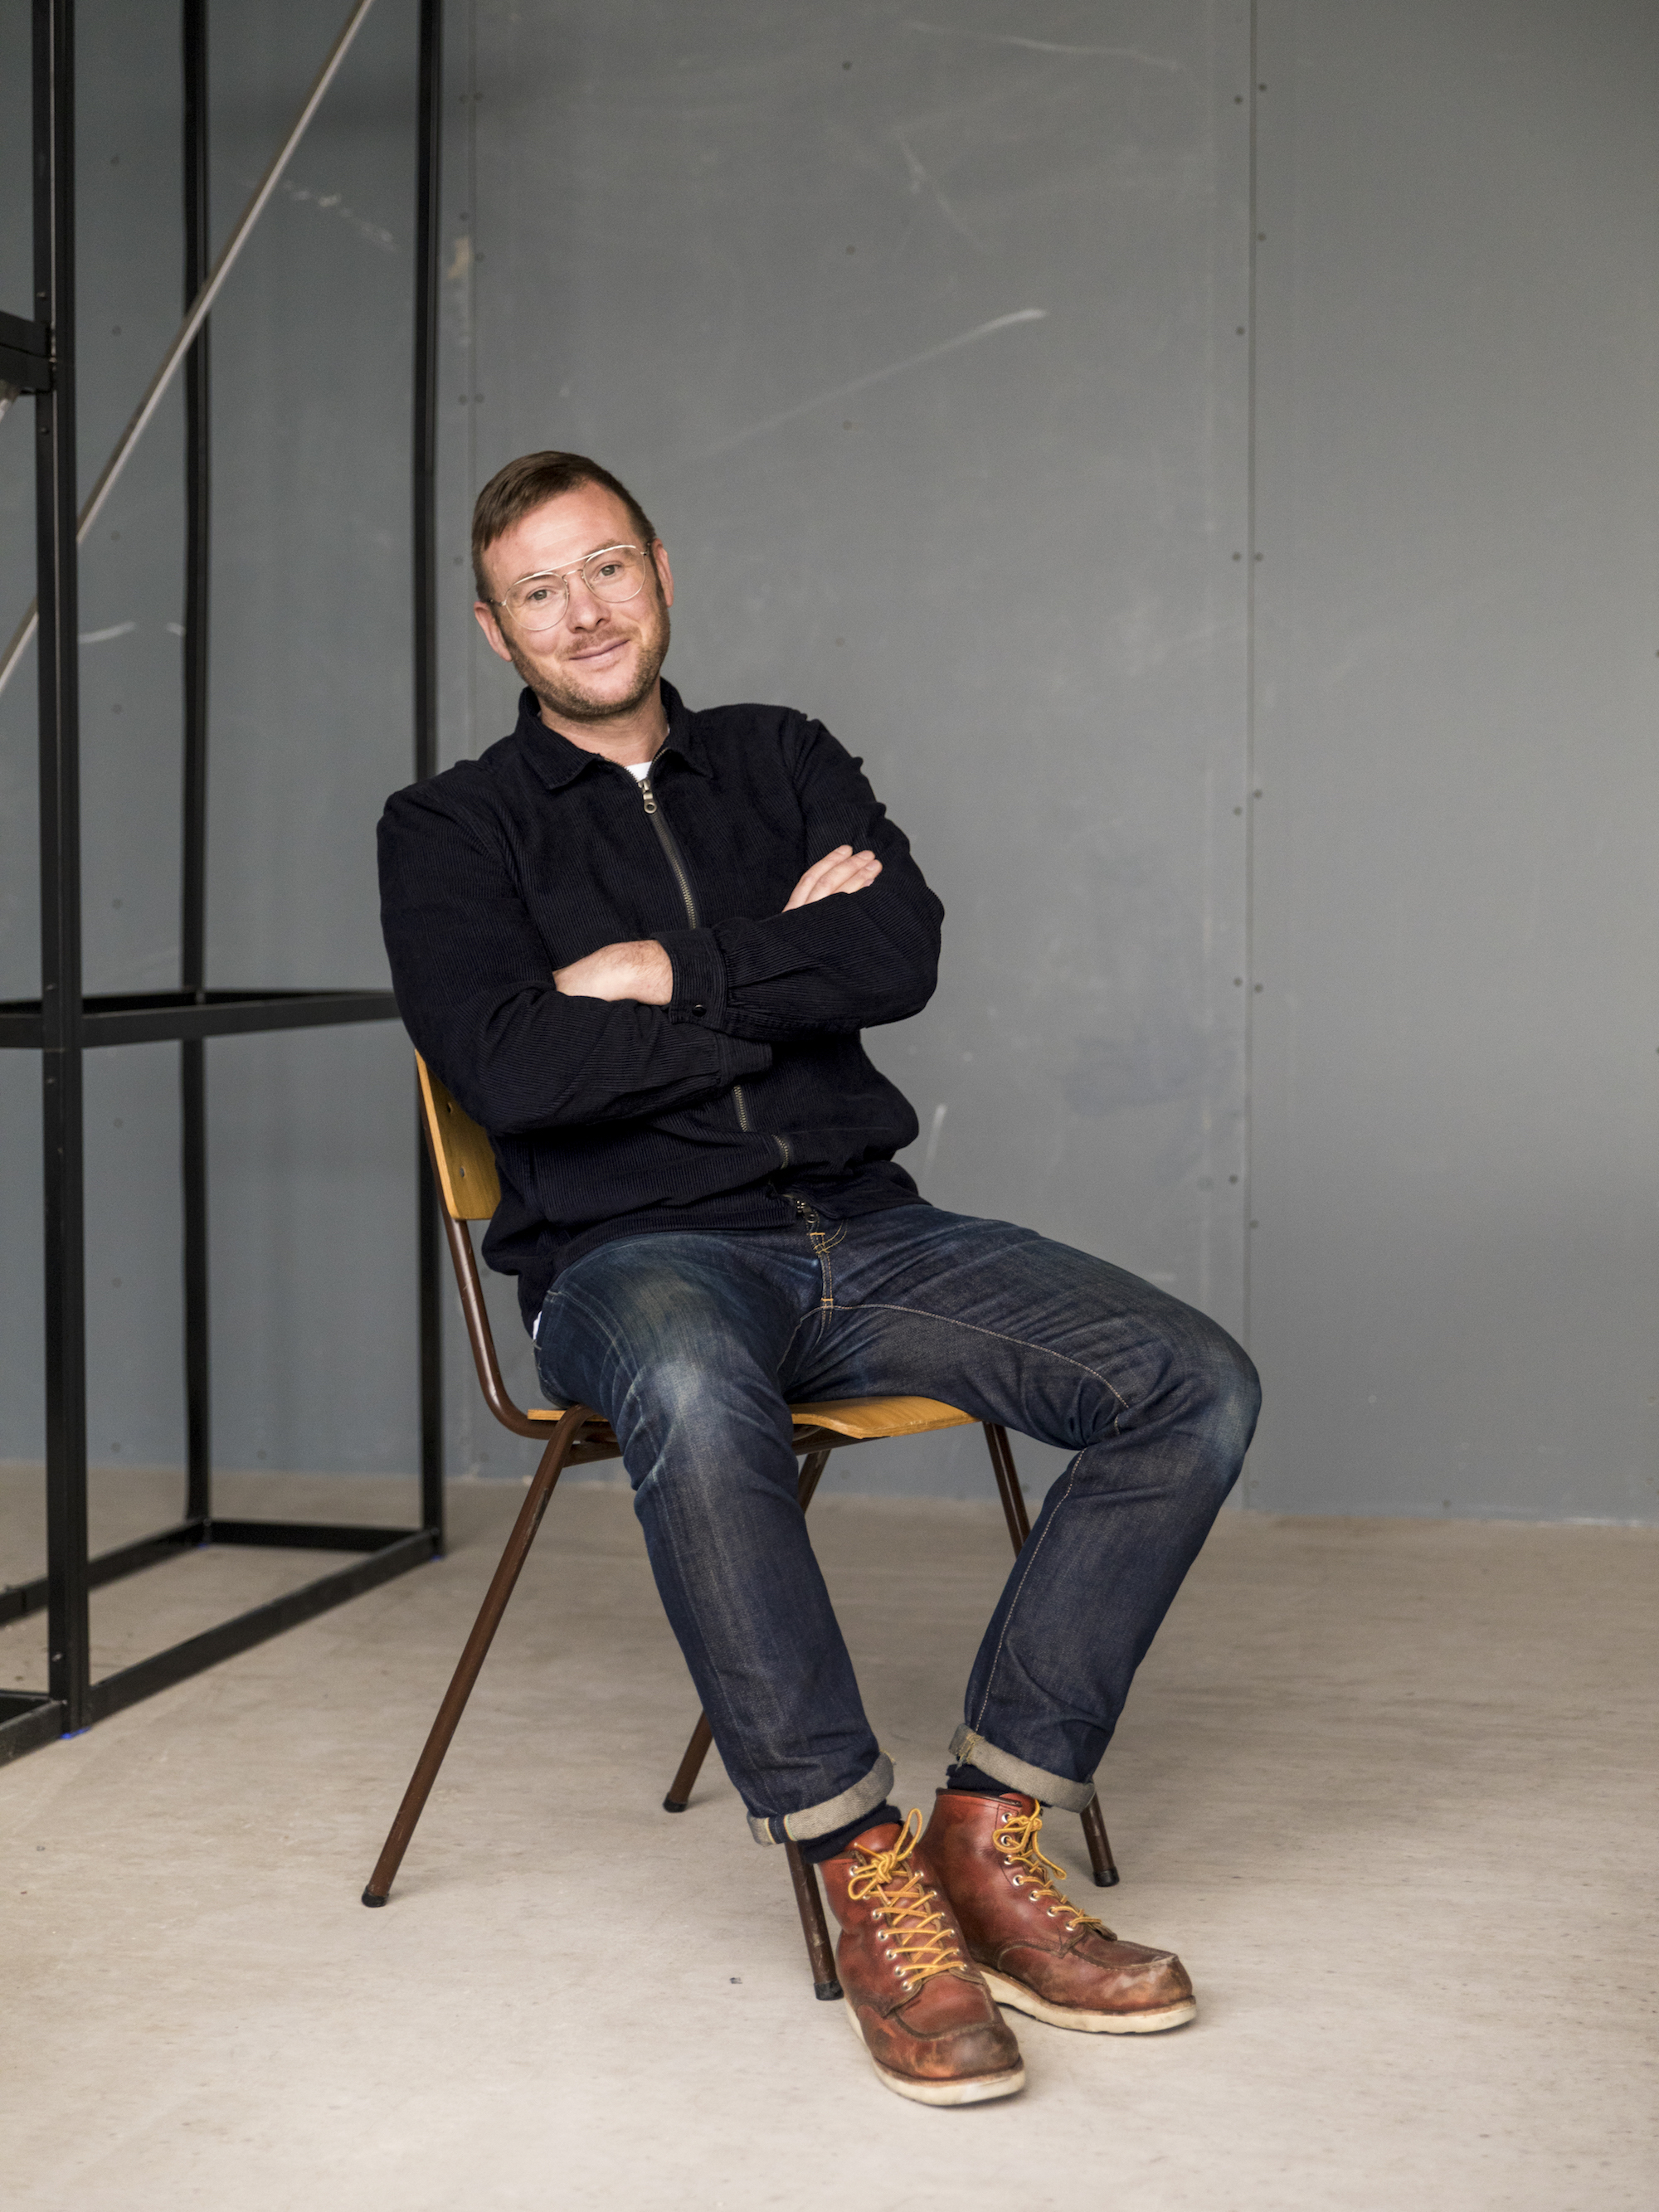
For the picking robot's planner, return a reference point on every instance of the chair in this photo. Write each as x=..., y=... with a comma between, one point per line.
x=465, y=1167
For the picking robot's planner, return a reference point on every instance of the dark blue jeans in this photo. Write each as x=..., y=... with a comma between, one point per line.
x=691, y=1346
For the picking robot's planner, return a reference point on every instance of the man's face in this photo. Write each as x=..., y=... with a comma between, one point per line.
x=602, y=659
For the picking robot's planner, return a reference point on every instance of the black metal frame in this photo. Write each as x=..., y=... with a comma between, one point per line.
x=38, y=354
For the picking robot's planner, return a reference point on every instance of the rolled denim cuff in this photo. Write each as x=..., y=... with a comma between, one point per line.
x=834, y=1812
x=971, y=1750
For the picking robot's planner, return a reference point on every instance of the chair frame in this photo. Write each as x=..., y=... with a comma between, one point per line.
x=460, y=1155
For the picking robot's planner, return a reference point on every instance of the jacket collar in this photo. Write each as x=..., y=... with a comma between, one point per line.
x=557, y=762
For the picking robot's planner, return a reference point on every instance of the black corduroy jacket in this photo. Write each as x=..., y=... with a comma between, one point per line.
x=750, y=1086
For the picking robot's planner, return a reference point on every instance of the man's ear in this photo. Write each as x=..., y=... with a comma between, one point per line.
x=491, y=628
x=665, y=574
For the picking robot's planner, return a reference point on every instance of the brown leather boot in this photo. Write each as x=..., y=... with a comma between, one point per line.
x=914, y=1999
x=1037, y=1951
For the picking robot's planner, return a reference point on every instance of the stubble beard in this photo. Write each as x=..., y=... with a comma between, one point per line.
x=580, y=706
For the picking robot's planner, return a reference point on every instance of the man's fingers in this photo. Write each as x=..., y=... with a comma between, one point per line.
x=852, y=874
x=838, y=872
x=805, y=889
x=819, y=869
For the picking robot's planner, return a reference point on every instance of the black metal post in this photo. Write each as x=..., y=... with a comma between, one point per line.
x=60, y=867
x=192, y=924
x=423, y=471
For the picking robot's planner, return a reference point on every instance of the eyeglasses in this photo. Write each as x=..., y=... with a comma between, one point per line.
x=615, y=573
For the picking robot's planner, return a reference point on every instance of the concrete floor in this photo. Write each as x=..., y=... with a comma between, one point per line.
x=1389, y=1786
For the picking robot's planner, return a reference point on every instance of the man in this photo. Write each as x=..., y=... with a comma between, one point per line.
x=639, y=944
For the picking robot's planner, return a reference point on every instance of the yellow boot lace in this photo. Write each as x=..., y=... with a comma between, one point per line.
x=1016, y=1838
x=916, y=1935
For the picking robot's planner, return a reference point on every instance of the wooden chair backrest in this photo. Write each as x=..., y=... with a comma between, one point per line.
x=466, y=1166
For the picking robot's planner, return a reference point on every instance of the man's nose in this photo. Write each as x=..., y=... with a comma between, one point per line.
x=585, y=609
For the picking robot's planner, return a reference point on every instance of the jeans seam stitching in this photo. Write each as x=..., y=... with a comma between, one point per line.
x=880, y=1306
x=827, y=1297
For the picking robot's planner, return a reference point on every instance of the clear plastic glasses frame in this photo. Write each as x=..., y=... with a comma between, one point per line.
x=539, y=601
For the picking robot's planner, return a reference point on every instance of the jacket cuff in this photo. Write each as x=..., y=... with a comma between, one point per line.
x=699, y=993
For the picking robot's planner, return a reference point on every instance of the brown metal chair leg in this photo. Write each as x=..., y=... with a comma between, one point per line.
x=686, y=1776
x=825, y=1984
x=1100, y=1849
x=680, y=1788
x=1008, y=1489
x=477, y=1649
x=1019, y=1528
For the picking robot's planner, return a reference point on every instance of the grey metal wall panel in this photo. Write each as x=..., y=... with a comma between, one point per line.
x=919, y=339
x=312, y=1157
x=1454, y=1288
x=996, y=555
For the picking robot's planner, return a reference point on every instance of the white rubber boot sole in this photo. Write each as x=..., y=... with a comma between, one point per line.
x=979, y=2091
x=1018, y=1998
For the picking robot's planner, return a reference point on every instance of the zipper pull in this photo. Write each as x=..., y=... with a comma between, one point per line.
x=647, y=795
x=806, y=1212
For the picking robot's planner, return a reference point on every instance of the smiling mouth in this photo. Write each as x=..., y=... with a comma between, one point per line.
x=599, y=652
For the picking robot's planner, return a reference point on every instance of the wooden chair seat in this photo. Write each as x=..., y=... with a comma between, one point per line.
x=464, y=1165
x=861, y=1420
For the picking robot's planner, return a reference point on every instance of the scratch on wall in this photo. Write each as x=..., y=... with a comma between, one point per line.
x=921, y=181
x=874, y=376
x=333, y=203
x=1045, y=45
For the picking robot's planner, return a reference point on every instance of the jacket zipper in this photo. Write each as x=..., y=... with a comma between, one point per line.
x=671, y=852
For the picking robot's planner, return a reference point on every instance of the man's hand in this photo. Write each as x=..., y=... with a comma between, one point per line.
x=843, y=870
x=640, y=970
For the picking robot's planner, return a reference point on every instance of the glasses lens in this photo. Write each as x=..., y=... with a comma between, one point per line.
x=539, y=604
x=618, y=573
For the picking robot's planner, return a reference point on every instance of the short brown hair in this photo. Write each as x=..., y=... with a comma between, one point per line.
x=529, y=482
